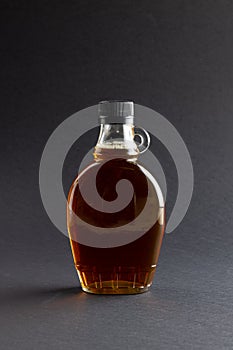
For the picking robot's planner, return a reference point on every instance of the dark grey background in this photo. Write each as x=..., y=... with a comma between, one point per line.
x=59, y=57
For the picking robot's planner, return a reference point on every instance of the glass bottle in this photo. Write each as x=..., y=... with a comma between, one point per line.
x=115, y=209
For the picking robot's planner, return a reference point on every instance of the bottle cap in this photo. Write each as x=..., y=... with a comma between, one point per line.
x=118, y=112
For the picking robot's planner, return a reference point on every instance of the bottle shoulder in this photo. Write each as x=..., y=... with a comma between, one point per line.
x=152, y=179
x=109, y=172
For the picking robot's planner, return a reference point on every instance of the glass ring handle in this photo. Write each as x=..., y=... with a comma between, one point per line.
x=142, y=139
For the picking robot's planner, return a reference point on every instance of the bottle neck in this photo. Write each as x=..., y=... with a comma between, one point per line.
x=116, y=141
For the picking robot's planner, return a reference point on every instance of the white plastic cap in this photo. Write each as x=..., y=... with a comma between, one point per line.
x=114, y=111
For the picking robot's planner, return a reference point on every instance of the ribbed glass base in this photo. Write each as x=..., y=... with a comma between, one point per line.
x=127, y=281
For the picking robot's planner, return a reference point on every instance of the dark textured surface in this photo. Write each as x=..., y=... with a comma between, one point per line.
x=57, y=58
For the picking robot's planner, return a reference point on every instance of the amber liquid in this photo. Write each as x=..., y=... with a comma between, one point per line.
x=125, y=269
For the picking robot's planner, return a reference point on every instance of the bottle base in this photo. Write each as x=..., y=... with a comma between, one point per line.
x=103, y=283
x=124, y=287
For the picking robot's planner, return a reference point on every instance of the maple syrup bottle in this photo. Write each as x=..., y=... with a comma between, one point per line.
x=115, y=210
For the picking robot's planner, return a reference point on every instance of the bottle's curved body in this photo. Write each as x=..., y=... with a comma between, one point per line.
x=115, y=250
